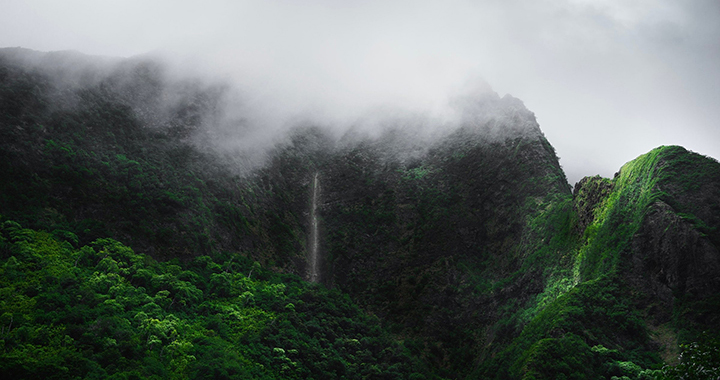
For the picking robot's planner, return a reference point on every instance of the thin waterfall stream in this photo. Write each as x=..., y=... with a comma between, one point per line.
x=314, y=270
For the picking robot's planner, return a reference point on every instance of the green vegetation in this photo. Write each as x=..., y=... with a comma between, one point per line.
x=698, y=360
x=589, y=322
x=472, y=259
x=620, y=216
x=89, y=165
x=586, y=333
x=104, y=311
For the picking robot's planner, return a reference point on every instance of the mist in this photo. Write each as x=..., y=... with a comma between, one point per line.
x=606, y=80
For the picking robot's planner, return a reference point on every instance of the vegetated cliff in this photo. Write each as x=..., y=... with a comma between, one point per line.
x=111, y=155
x=436, y=243
x=468, y=248
x=646, y=275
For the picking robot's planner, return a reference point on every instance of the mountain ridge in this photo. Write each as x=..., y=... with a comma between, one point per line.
x=469, y=250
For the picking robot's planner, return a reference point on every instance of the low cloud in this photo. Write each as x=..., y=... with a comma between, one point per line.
x=608, y=80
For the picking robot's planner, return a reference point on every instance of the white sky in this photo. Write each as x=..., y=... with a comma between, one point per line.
x=608, y=80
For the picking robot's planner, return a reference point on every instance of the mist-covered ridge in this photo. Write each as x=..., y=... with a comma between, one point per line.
x=225, y=119
x=161, y=225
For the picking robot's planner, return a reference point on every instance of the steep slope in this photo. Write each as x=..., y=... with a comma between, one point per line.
x=668, y=248
x=426, y=242
x=646, y=274
x=442, y=238
x=104, y=157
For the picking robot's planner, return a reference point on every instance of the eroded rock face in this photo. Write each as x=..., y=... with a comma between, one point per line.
x=587, y=194
x=656, y=225
x=671, y=258
x=407, y=235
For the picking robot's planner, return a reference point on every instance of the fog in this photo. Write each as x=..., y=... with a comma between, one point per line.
x=607, y=80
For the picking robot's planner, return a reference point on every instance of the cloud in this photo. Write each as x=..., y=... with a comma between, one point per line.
x=608, y=80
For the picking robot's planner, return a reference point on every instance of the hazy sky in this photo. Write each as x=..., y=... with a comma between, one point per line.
x=607, y=79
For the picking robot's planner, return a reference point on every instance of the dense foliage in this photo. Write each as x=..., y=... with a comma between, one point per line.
x=103, y=311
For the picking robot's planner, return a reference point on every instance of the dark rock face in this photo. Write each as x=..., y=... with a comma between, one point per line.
x=407, y=234
x=671, y=258
x=675, y=254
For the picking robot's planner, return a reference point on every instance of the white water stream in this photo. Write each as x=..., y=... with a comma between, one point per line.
x=314, y=272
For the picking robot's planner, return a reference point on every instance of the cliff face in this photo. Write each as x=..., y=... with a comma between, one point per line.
x=468, y=246
x=588, y=194
x=668, y=203
x=674, y=254
x=435, y=236
x=424, y=241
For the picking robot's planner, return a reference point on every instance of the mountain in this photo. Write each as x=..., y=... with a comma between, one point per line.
x=135, y=244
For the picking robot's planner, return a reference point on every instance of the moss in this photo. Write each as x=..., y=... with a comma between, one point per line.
x=619, y=215
x=599, y=309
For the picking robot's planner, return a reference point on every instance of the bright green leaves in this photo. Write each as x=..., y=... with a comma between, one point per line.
x=103, y=310
x=157, y=331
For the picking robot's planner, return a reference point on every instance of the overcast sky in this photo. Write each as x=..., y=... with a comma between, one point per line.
x=607, y=79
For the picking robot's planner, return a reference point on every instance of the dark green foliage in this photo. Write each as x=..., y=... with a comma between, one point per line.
x=597, y=314
x=431, y=242
x=698, y=360
x=90, y=165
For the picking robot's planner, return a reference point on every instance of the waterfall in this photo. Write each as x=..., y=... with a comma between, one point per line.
x=314, y=270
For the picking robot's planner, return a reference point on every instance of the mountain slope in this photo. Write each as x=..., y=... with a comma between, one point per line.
x=464, y=253
x=646, y=274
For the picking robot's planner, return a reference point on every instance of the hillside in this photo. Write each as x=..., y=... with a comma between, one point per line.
x=134, y=246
